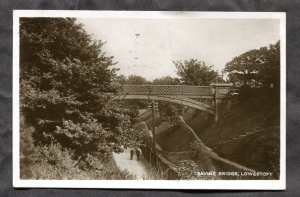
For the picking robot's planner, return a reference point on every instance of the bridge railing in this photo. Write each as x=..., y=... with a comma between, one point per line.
x=166, y=90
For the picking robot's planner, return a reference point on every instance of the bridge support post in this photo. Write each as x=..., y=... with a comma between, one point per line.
x=221, y=92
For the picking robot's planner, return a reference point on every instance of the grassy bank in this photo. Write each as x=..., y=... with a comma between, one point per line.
x=53, y=163
x=253, y=136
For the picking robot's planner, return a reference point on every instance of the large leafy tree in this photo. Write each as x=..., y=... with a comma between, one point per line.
x=194, y=72
x=244, y=67
x=261, y=65
x=166, y=81
x=136, y=80
x=64, y=76
x=269, y=71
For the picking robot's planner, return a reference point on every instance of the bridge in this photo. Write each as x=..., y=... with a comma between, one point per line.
x=205, y=98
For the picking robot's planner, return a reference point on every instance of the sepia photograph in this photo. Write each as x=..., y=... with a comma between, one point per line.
x=159, y=100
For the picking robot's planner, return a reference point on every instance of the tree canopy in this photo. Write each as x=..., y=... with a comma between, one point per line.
x=166, y=81
x=136, y=80
x=261, y=65
x=64, y=76
x=194, y=72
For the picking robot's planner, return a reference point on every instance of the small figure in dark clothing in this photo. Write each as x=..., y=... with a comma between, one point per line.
x=131, y=153
x=138, y=153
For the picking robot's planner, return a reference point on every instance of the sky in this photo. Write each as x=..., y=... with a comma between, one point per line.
x=148, y=47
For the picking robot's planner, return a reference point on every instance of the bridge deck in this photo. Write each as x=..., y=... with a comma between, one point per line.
x=178, y=90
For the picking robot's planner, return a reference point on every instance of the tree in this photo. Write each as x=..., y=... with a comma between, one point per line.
x=244, y=67
x=63, y=80
x=136, y=80
x=171, y=112
x=261, y=65
x=119, y=80
x=27, y=150
x=269, y=71
x=166, y=81
x=187, y=169
x=135, y=137
x=194, y=72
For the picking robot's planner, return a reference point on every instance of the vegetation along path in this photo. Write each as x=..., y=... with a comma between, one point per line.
x=134, y=167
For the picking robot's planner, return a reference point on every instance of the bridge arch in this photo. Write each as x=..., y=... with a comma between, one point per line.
x=180, y=94
x=182, y=101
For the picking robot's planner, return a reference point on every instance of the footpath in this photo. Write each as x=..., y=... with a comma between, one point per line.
x=134, y=167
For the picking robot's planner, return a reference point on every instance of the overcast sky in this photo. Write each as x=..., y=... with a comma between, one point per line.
x=147, y=47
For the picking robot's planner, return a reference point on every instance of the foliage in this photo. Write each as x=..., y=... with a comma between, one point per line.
x=187, y=169
x=244, y=67
x=55, y=163
x=64, y=78
x=27, y=156
x=130, y=80
x=132, y=105
x=203, y=156
x=269, y=71
x=84, y=137
x=120, y=80
x=198, y=147
x=166, y=81
x=171, y=112
x=135, y=137
x=135, y=80
x=261, y=65
x=194, y=72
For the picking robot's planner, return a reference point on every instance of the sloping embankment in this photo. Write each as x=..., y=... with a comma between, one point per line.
x=206, y=158
x=249, y=135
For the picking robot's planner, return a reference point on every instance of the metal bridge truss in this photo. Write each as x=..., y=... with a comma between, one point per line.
x=198, y=97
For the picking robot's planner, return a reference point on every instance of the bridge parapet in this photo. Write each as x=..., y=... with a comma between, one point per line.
x=221, y=90
x=177, y=90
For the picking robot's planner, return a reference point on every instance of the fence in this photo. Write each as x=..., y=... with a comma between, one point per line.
x=161, y=164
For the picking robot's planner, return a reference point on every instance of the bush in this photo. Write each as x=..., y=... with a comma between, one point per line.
x=27, y=149
x=64, y=78
x=187, y=169
x=54, y=163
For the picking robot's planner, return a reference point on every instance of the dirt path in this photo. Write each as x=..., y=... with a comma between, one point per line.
x=134, y=166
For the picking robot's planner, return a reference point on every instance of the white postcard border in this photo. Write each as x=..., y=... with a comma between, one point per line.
x=150, y=184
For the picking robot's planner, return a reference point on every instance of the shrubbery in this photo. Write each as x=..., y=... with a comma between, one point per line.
x=187, y=169
x=56, y=163
x=64, y=78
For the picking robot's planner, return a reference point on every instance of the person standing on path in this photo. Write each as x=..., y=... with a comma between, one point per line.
x=138, y=153
x=131, y=153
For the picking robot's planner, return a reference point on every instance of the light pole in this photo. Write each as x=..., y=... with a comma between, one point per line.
x=154, y=107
